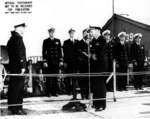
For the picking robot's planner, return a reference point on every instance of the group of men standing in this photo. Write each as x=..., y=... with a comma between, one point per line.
x=129, y=52
x=85, y=56
x=94, y=53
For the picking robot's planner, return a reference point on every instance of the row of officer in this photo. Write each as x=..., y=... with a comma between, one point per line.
x=98, y=51
x=125, y=53
x=77, y=57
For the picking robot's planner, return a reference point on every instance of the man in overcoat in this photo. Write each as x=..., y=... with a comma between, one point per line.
x=17, y=65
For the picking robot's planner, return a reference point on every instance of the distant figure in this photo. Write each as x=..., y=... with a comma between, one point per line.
x=52, y=55
x=17, y=65
x=138, y=58
x=121, y=57
x=109, y=56
x=130, y=66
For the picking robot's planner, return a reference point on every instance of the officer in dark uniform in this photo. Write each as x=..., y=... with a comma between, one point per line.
x=70, y=59
x=52, y=54
x=121, y=57
x=98, y=65
x=17, y=65
x=83, y=64
x=109, y=56
x=138, y=58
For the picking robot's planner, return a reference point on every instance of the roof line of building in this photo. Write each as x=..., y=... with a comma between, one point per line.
x=131, y=21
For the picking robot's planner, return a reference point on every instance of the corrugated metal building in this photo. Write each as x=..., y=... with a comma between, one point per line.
x=119, y=23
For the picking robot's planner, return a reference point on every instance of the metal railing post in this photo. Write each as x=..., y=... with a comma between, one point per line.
x=128, y=76
x=89, y=79
x=30, y=76
x=114, y=81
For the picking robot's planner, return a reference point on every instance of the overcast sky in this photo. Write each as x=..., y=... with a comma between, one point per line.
x=66, y=14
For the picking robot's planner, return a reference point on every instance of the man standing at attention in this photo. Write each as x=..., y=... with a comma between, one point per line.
x=70, y=51
x=138, y=59
x=52, y=54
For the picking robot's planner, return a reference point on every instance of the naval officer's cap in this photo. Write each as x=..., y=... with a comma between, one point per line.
x=71, y=30
x=20, y=25
x=52, y=29
x=122, y=34
x=137, y=35
x=106, y=32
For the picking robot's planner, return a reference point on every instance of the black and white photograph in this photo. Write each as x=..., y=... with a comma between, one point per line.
x=74, y=59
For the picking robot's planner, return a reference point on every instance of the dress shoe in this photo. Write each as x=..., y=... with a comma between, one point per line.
x=73, y=98
x=99, y=109
x=56, y=95
x=21, y=112
x=12, y=112
x=48, y=94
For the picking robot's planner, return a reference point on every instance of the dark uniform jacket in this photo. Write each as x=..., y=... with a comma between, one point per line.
x=98, y=64
x=16, y=52
x=121, y=53
x=138, y=53
x=83, y=52
x=52, y=51
x=109, y=56
x=70, y=50
x=99, y=49
x=129, y=49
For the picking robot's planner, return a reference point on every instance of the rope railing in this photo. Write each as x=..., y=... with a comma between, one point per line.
x=64, y=75
x=4, y=105
x=109, y=76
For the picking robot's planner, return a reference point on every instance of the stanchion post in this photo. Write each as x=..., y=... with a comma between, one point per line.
x=114, y=81
x=30, y=75
x=89, y=78
x=128, y=76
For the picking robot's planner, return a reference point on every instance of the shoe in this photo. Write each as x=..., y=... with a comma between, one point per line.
x=73, y=98
x=56, y=95
x=21, y=112
x=140, y=88
x=125, y=89
x=99, y=109
x=86, y=97
x=17, y=112
x=12, y=112
x=49, y=95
